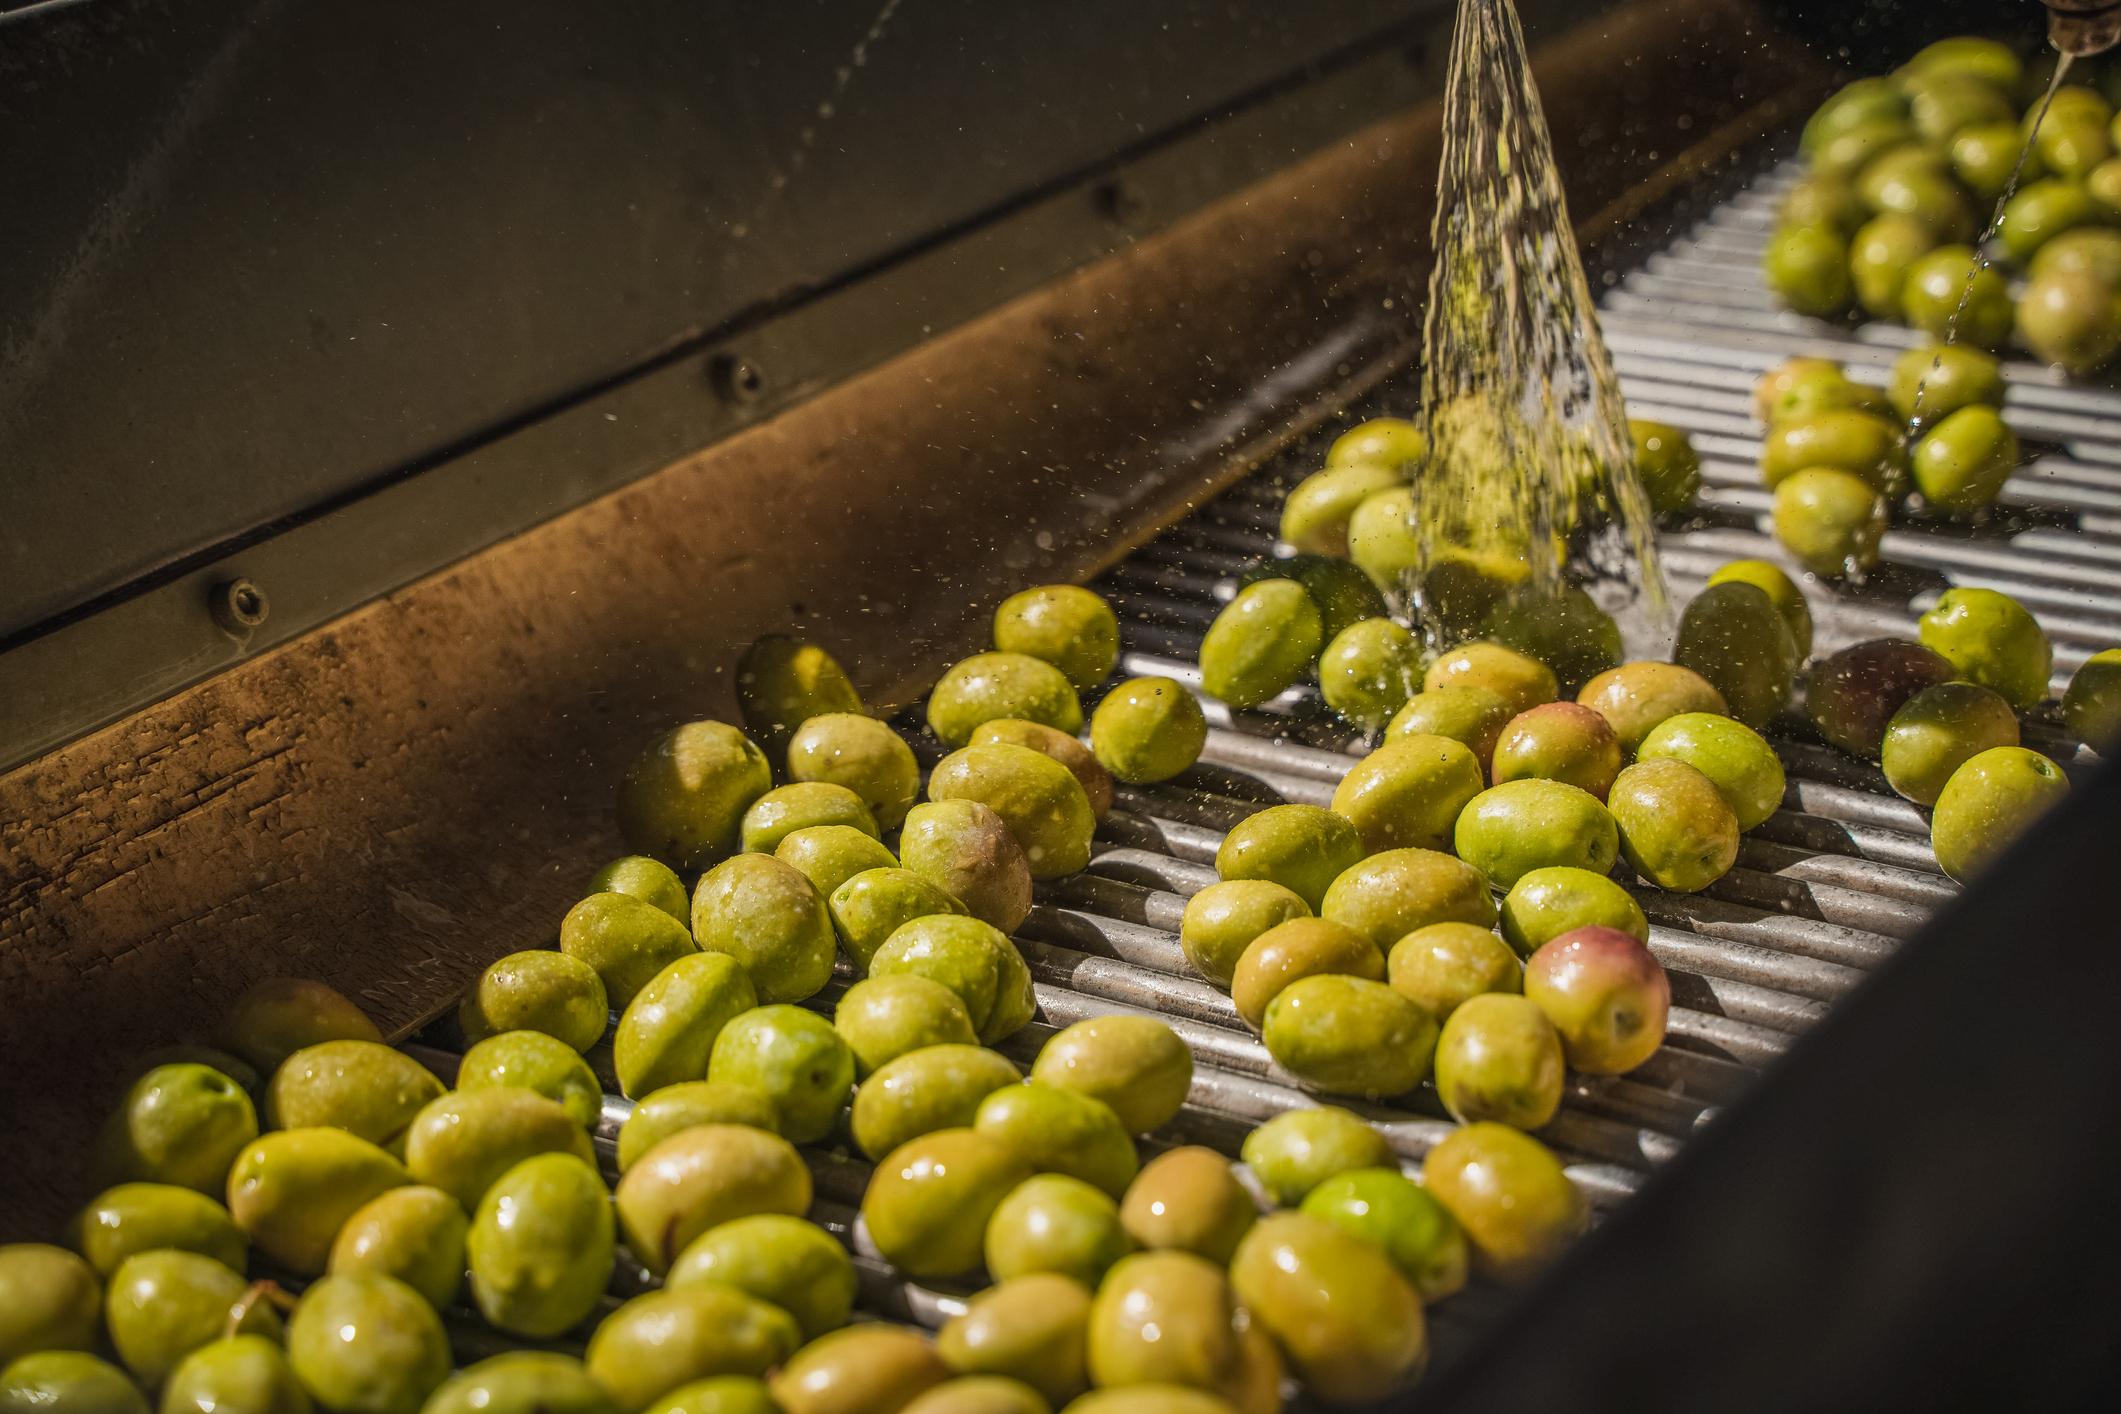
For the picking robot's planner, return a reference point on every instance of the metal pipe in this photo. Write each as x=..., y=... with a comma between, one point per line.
x=2082, y=27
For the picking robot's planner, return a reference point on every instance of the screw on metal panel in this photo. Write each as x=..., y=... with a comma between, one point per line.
x=739, y=380
x=239, y=605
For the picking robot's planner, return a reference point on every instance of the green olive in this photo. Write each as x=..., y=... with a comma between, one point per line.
x=1520, y=680
x=782, y=682
x=1831, y=522
x=624, y=940
x=1951, y=297
x=862, y=754
x=1163, y=1318
x=1912, y=181
x=1635, y=697
x=1881, y=252
x=1316, y=512
x=882, y=1018
x=1052, y=1222
x=1565, y=630
x=1037, y=797
x=2103, y=185
x=1349, y=1036
x=928, y=1202
x=1933, y=382
x=1605, y=994
x=1735, y=758
x=980, y=1394
x=1559, y=741
x=1392, y=441
x=533, y=1061
x=1846, y=153
x=718, y=1394
x=1033, y=1328
x=1676, y=829
x=1442, y=966
x=1082, y=763
x=1396, y=1215
x=685, y=1106
x=1342, y=592
x=1288, y=952
x=2095, y=252
x=972, y=959
x=990, y=686
x=781, y=1260
x=531, y=1382
x=241, y=1374
x=966, y=850
x=1462, y=586
x=1546, y=903
x=1471, y=716
x=866, y=1369
x=1381, y=539
x=1063, y=624
x=1802, y=387
x=935, y=1087
x=144, y=1217
x=464, y=1141
x=1509, y=1194
x=1822, y=201
x=2071, y=318
x=1989, y=638
x=161, y=1306
x=1666, y=462
x=1297, y=1150
x=683, y=799
x=1188, y=1199
x=182, y=1124
x=1498, y=1058
x=1937, y=731
x=541, y=1247
x=1150, y=729
x=1222, y=920
x=1807, y=268
x=2071, y=144
x=1349, y=1322
x=1782, y=591
x=1303, y=848
x=650, y=880
x=68, y=1380
x=782, y=811
x=2040, y=211
x=1150, y=1399
x=1988, y=802
x=415, y=1234
x=1408, y=792
x=292, y=1190
x=829, y=855
x=367, y=1342
x=2091, y=708
x=1984, y=155
x=1390, y=894
x=1951, y=100
x=1369, y=670
x=1135, y=1064
x=1862, y=444
x=1055, y=1130
x=669, y=1028
x=362, y=1087
x=213, y=1058
x=1991, y=61
x=868, y=908
x=1511, y=829
x=1733, y=637
x=794, y=1058
x=1854, y=104
x=767, y=916
x=701, y=1177
x=280, y=1015
x=1262, y=641
x=664, y=1340
x=541, y=990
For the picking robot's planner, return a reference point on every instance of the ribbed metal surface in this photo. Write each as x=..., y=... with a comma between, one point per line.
x=1822, y=893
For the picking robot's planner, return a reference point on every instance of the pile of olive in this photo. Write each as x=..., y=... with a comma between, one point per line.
x=1902, y=174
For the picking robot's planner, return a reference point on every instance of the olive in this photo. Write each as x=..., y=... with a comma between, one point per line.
x=664, y=1112
x=2071, y=318
x=533, y=1061
x=1830, y=521
x=2071, y=144
x=1559, y=741
x=1984, y=155
x=1666, y=462
x=1737, y=759
x=1951, y=296
x=1855, y=692
x=464, y=1141
x=1382, y=541
x=1261, y=642
x=1964, y=459
x=1342, y=592
x=2091, y=708
x=2095, y=252
x=1149, y=729
x=415, y=1234
x=1135, y=1064
x=1782, y=592
x=866, y=1369
x=541, y=1246
x=781, y=682
x=1408, y=792
x=1801, y=387
x=541, y=990
x=1066, y=625
x=1471, y=716
x=1442, y=966
x=1223, y=919
x=1933, y=382
x=1303, y=848
x=280, y=1015
x=232, y=1066
x=369, y=1343
x=1033, y=1328
x=1988, y=802
x=1881, y=252
x=1989, y=638
x=144, y=1217
x=1953, y=101
x=990, y=686
x=1348, y=1321
x=1521, y=681
x=782, y=811
x=683, y=799
x=670, y=1027
x=829, y=855
x=1368, y=671
x=980, y=1394
x=928, y=1202
x=1604, y=993
x=1060, y=1131
x=767, y=916
x=1938, y=730
x=1039, y=799
x=1856, y=103
x=700, y=1178
x=1498, y=1058
x=795, y=1059
x=1509, y=1194
x=1163, y=1318
x=868, y=908
x=650, y=880
x=1676, y=829
x=1052, y=1222
x=240, y=1374
x=625, y=941
x=882, y=1018
x=1389, y=895
x=1822, y=201
x=1391, y=441
x=1297, y=1150
x=1511, y=829
x=1316, y=512
x=362, y=1087
x=292, y=1190
x=862, y=754
x=1860, y=443
x=1082, y=763
x=1565, y=630
x=1302, y=947
x=718, y=1394
x=161, y=1306
x=68, y=1380
x=182, y=1124
x=534, y=1382
x=1150, y=1399
x=1635, y=697
x=966, y=850
x=1396, y=1215
x=2103, y=185
x=1188, y=1199
x=1989, y=60
x=1847, y=153
x=782, y=1260
x=935, y=1087
x=1913, y=182
x=1462, y=586
x=664, y=1340
x=973, y=960
x=1349, y=1036
x=1807, y=267
x=2040, y=211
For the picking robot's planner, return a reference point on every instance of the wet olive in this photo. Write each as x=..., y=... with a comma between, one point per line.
x=882, y=1018
x=866, y=1369
x=1462, y=586
x=803, y=805
x=1989, y=638
x=966, y=850
x=624, y=940
x=1807, y=268
x=2103, y=185
x=1962, y=462
x=1939, y=729
x=241, y=1374
x=1082, y=763
x=664, y=1340
x=1951, y=297
x=670, y=1027
x=718, y=1394
x=415, y=1234
x=650, y=880
x=1509, y=1194
x=782, y=682
x=1369, y=670
x=1846, y=153
x=1302, y=947
x=1913, y=181
x=1054, y=1223
x=1511, y=829
x=1066, y=625
x=990, y=686
x=935, y=1087
x=1349, y=1036
x=2089, y=252
x=1822, y=201
x=1304, y=848
x=1800, y=387
x=1135, y=1064
x=1951, y=100
x=541, y=1246
x=1668, y=465
x=1342, y=592
x=1471, y=716
x=1039, y=799
x=1881, y=252
x=280, y=1015
x=1263, y=640
x=161, y=1306
x=1389, y=895
x=1408, y=792
x=2071, y=318
x=1856, y=103
x=1223, y=919
x=1676, y=829
x=1782, y=591
x=1854, y=693
x=928, y=1202
x=1061, y=1131
x=1150, y=729
x=2039, y=211
x=145, y=1217
x=1860, y=443
x=868, y=908
x=1988, y=802
x=767, y=916
x=1316, y=512
x=70, y=1380
x=795, y=1059
x=684, y=1106
x=292, y=1190
x=970, y=958
x=1498, y=1058
x=1737, y=759
x=183, y=1124
x=368, y=1343
x=533, y=1382
x=1381, y=539
x=533, y=1061
x=1934, y=382
x=2091, y=707
x=781, y=1260
x=1635, y=697
x=1389, y=441
x=1033, y=1329
x=1396, y=1215
x=1559, y=741
x=700, y=1178
x=1604, y=993
x=1349, y=1323
x=1830, y=521
x=862, y=754
x=464, y=1141
x=1189, y=1200
x=1984, y=155
x=1989, y=60
x=683, y=799
x=362, y=1087
x=829, y=855
x=1444, y=965
x=980, y=1394
x=1521, y=681
x=2071, y=143
x=1164, y=1318
x=542, y=990
x=1297, y=1150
